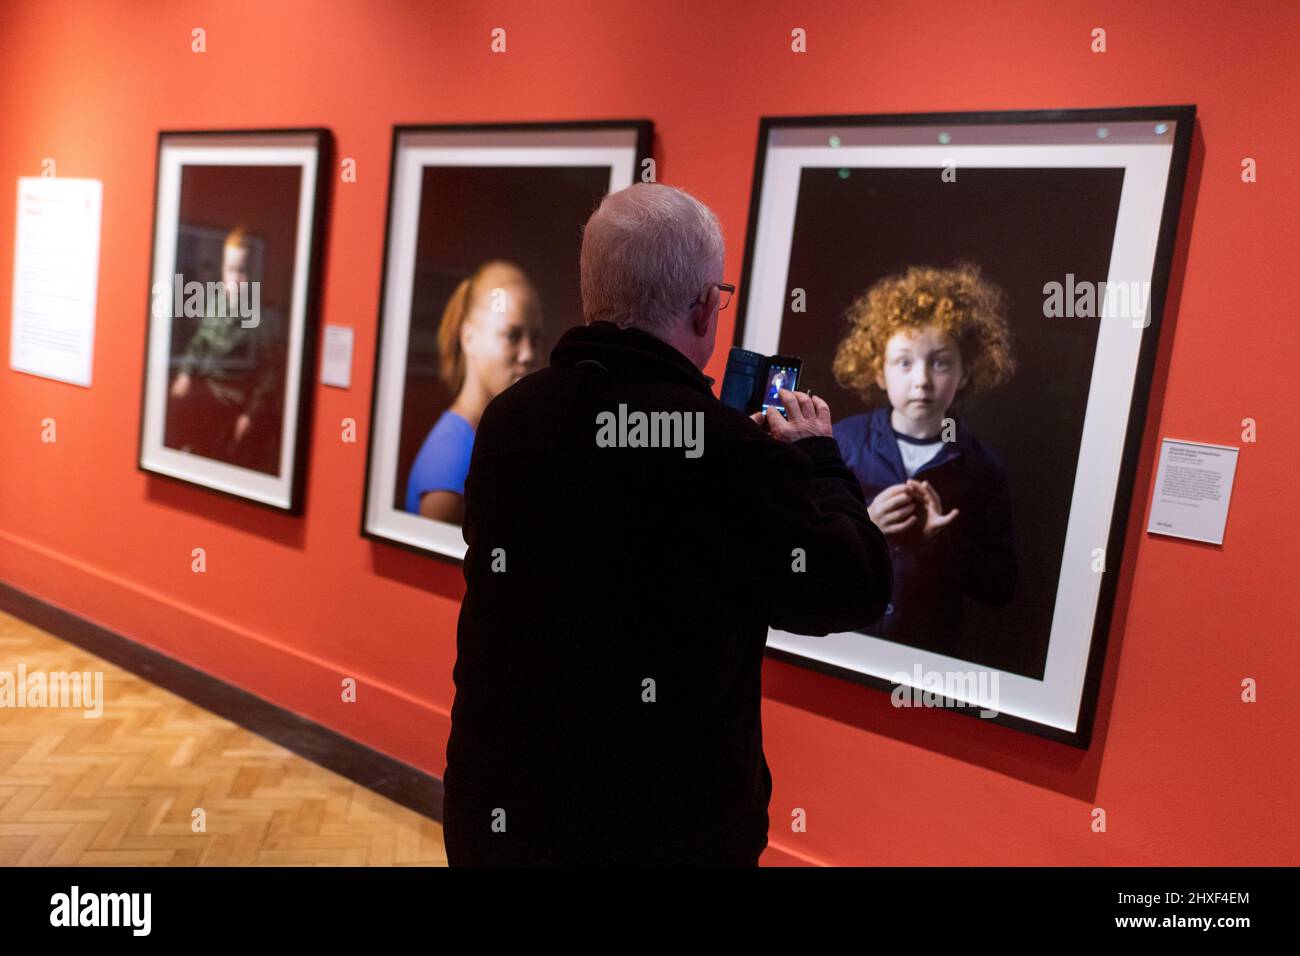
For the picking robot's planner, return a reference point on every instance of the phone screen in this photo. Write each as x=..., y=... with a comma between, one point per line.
x=779, y=376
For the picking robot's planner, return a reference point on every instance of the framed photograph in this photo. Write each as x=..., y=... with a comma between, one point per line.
x=239, y=218
x=978, y=297
x=480, y=281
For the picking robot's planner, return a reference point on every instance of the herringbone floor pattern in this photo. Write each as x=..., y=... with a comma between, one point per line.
x=121, y=789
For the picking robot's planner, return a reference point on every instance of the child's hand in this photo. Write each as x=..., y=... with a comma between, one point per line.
x=928, y=498
x=893, y=510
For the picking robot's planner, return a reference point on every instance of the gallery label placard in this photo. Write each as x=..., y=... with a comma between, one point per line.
x=336, y=358
x=56, y=274
x=1193, y=486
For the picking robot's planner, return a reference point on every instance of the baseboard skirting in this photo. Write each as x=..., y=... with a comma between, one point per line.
x=391, y=778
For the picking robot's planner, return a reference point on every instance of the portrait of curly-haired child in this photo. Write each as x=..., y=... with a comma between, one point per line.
x=918, y=344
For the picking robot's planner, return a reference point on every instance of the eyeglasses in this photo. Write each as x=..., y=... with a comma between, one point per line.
x=725, y=292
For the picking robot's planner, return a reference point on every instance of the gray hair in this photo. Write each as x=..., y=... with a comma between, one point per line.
x=648, y=252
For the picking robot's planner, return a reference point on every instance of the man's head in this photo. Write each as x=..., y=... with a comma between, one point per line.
x=651, y=258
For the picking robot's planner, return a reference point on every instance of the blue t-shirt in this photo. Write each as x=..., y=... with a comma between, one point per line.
x=443, y=460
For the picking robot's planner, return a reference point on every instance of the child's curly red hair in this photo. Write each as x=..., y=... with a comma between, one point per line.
x=959, y=300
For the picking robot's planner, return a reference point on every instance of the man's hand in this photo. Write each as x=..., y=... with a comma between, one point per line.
x=894, y=509
x=242, y=424
x=928, y=498
x=809, y=416
x=181, y=387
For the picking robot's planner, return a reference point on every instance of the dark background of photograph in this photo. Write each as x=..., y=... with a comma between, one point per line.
x=529, y=215
x=1024, y=228
x=263, y=199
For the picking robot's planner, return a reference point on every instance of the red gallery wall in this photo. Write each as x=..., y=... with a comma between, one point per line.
x=1186, y=772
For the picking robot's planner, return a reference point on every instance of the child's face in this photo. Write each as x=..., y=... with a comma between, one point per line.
x=234, y=269
x=922, y=373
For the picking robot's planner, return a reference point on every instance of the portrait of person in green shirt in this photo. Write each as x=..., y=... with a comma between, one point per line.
x=226, y=398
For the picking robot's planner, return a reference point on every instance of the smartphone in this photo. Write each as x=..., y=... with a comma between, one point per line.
x=782, y=373
x=752, y=380
x=744, y=379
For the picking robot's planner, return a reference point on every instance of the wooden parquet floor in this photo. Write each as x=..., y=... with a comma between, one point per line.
x=121, y=789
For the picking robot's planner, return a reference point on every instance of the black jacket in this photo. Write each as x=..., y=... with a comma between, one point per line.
x=610, y=645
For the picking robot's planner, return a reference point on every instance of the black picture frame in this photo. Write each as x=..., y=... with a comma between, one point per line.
x=640, y=133
x=1183, y=118
x=289, y=497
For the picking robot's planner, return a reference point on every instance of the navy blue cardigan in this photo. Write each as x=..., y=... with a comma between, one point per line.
x=974, y=556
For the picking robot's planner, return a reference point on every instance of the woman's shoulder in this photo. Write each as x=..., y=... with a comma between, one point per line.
x=450, y=422
x=450, y=430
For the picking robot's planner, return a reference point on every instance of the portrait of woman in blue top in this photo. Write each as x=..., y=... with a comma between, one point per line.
x=917, y=342
x=487, y=341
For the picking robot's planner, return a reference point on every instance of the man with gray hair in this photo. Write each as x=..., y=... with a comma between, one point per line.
x=619, y=587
